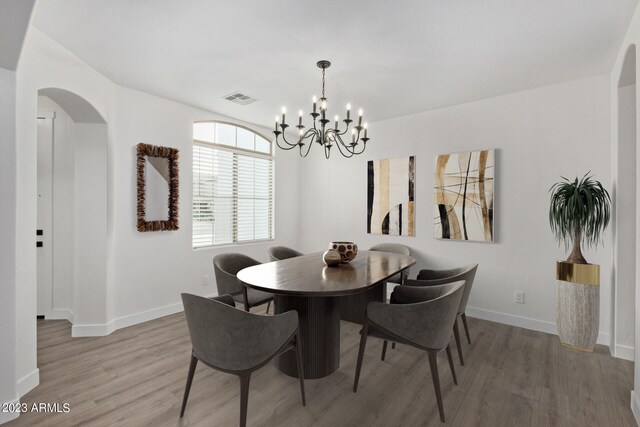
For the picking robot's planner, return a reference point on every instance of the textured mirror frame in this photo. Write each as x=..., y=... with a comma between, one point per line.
x=171, y=154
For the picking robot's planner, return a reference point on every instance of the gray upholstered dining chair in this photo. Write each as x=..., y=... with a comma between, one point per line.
x=419, y=317
x=236, y=342
x=440, y=277
x=398, y=249
x=277, y=253
x=226, y=267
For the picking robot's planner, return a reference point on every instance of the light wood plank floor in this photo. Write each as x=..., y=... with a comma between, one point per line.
x=513, y=377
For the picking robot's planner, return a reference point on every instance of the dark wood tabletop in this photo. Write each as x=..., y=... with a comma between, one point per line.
x=307, y=275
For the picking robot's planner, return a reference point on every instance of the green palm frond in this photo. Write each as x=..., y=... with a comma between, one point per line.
x=582, y=203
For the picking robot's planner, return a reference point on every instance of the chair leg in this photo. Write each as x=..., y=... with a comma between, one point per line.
x=187, y=388
x=453, y=369
x=433, y=364
x=300, y=366
x=384, y=350
x=246, y=299
x=363, y=344
x=456, y=334
x=466, y=327
x=244, y=398
x=268, y=305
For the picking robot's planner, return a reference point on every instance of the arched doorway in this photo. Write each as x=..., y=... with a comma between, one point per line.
x=72, y=211
x=625, y=217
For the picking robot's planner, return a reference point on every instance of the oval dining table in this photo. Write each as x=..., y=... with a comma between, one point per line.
x=307, y=285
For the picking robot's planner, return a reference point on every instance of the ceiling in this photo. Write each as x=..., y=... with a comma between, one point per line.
x=14, y=21
x=390, y=58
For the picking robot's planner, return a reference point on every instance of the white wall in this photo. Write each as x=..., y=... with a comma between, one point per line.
x=44, y=64
x=625, y=238
x=64, y=218
x=8, y=389
x=158, y=266
x=90, y=234
x=539, y=135
x=632, y=38
x=146, y=272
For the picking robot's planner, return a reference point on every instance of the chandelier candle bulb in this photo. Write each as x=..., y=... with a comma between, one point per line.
x=360, y=117
x=276, y=123
x=348, y=111
x=337, y=118
x=365, y=129
x=284, y=110
x=353, y=135
x=314, y=103
x=300, y=118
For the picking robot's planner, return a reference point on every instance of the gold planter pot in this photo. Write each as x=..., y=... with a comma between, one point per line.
x=578, y=304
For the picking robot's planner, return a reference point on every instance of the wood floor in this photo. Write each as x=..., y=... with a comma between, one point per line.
x=512, y=377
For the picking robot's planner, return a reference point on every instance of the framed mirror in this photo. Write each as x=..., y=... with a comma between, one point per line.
x=158, y=187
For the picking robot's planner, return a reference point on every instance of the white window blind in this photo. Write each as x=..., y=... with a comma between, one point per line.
x=232, y=193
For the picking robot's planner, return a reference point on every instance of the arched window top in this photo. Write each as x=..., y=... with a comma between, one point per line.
x=231, y=135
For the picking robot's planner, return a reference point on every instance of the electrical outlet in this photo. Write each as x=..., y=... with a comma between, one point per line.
x=519, y=297
x=205, y=280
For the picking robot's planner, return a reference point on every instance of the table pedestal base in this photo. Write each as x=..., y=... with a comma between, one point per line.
x=353, y=307
x=319, y=320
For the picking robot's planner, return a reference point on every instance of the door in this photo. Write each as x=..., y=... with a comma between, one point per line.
x=44, y=232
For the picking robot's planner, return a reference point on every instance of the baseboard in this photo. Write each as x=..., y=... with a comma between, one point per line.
x=28, y=382
x=62, y=314
x=5, y=417
x=97, y=330
x=92, y=330
x=145, y=316
x=624, y=352
x=635, y=407
x=523, y=322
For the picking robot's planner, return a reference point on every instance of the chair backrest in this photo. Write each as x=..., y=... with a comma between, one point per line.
x=277, y=253
x=226, y=267
x=391, y=247
x=425, y=319
x=441, y=277
x=233, y=340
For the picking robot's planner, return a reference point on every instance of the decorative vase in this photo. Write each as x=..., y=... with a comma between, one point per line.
x=347, y=250
x=331, y=258
x=578, y=304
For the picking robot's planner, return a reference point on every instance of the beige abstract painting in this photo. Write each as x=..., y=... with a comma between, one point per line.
x=464, y=184
x=390, y=196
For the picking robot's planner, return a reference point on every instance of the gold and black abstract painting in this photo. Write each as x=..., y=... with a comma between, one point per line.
x=464, y=184
x=390, y=196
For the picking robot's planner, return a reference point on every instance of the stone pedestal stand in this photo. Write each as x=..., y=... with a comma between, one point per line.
x=578, y=304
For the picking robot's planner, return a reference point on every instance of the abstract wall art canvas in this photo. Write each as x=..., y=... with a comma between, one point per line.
x=390, y=196
x=464, y=184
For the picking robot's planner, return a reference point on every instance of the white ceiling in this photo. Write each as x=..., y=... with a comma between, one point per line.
x=391, y=58
x=14, y=21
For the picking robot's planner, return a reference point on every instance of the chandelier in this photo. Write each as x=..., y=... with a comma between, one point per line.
x=321, y=132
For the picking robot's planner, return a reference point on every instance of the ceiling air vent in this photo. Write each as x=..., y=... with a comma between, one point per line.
x=240, y=98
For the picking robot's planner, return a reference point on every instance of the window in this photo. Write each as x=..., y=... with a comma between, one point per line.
x=232, y=185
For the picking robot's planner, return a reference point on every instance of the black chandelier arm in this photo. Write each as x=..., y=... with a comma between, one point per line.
x=348, y=123
x=351, y=148
x=311, y=135
x=327, y=151
x=288, y=147
x=340, y=143
x=290, y=144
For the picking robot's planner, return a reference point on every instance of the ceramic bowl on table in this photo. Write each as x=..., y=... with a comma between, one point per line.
x=347, y=250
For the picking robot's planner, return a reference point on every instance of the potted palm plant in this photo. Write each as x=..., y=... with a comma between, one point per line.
x=579, y=213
